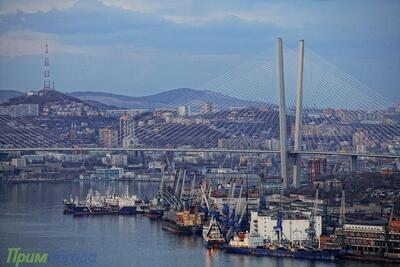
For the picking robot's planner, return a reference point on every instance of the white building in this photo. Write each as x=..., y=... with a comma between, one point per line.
x=156, y=165
x=119, y=160
x=112, y=173
x=293, y=229
x=183, y=111
x=19, y=163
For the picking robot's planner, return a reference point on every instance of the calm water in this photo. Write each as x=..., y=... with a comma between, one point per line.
x=31, y=218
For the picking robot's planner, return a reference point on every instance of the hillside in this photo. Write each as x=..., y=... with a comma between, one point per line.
x=50, y=97
x=170, y=98
x=8, y=94
x=16, y=97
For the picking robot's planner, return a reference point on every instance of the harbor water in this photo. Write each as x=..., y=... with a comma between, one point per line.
x=32, y=219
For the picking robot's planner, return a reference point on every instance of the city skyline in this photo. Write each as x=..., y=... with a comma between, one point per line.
x=186, y=45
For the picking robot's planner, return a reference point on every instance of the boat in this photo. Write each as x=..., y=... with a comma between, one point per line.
x=95, y=204
x=139, y=204
x=126, y=206
x=68, y=205
x=181, y=222
x=90, y=209
x=253, y=244
x=155, y=211
x=212, y=235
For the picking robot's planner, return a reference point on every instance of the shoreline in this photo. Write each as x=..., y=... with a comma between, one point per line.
x=31, y=181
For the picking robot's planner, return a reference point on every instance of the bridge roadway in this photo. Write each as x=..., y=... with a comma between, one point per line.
x=223, y=150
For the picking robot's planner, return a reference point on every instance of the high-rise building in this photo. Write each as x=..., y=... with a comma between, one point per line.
x=126, y=132
x=183, y=111
x=108, y=137
x=207, y=107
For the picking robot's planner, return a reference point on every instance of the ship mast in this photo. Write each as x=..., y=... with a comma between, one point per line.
x=342, y=217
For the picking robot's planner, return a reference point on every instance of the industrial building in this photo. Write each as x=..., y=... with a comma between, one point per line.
x=373, y=238
x=294, y=226
x=112, y=173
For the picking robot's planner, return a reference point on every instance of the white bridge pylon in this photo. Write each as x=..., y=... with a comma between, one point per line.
x=282, y=115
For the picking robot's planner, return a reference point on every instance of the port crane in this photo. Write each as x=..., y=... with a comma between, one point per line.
x=312, y=237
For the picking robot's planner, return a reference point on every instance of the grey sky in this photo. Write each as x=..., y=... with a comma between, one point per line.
x=146, y=46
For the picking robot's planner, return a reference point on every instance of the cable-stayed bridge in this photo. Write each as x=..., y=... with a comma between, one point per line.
x=279, y=101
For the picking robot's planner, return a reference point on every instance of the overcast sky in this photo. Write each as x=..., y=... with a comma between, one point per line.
x=139, y=47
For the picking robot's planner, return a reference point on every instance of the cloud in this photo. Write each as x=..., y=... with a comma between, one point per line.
x=23, y=43
x=29, y=6
x=167, y=38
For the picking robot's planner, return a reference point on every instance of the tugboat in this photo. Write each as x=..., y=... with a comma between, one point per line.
x=68, y=205
x=155, y=210
x=139, y=204
x=212, y=235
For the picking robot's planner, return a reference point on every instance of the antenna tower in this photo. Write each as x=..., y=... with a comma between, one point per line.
x=46, y=80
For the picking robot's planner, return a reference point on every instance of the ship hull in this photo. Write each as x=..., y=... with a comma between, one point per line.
x=322, y=255
x=127, y=210
x=211, y=244
x=83, y=210
x=178, y=229
x=374, y=258
x=154, y=214
x=139, y=210
x=68, y=208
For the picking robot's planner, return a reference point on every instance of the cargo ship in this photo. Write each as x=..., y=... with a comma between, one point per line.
x=183, y=222
x=89, y=209
x=93, y=205
x=96, y=204
x=377, y=240
x=253, y=244
x=212, y=235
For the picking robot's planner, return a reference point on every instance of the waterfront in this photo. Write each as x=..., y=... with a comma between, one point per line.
x=31, y=219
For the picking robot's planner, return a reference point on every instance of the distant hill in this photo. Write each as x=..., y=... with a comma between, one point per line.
x=100, y=105
x=15, y=97
x=50, y=97
x=170, y=98
x=8, y=94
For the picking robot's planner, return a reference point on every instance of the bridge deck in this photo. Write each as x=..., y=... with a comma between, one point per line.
x=222, y=150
